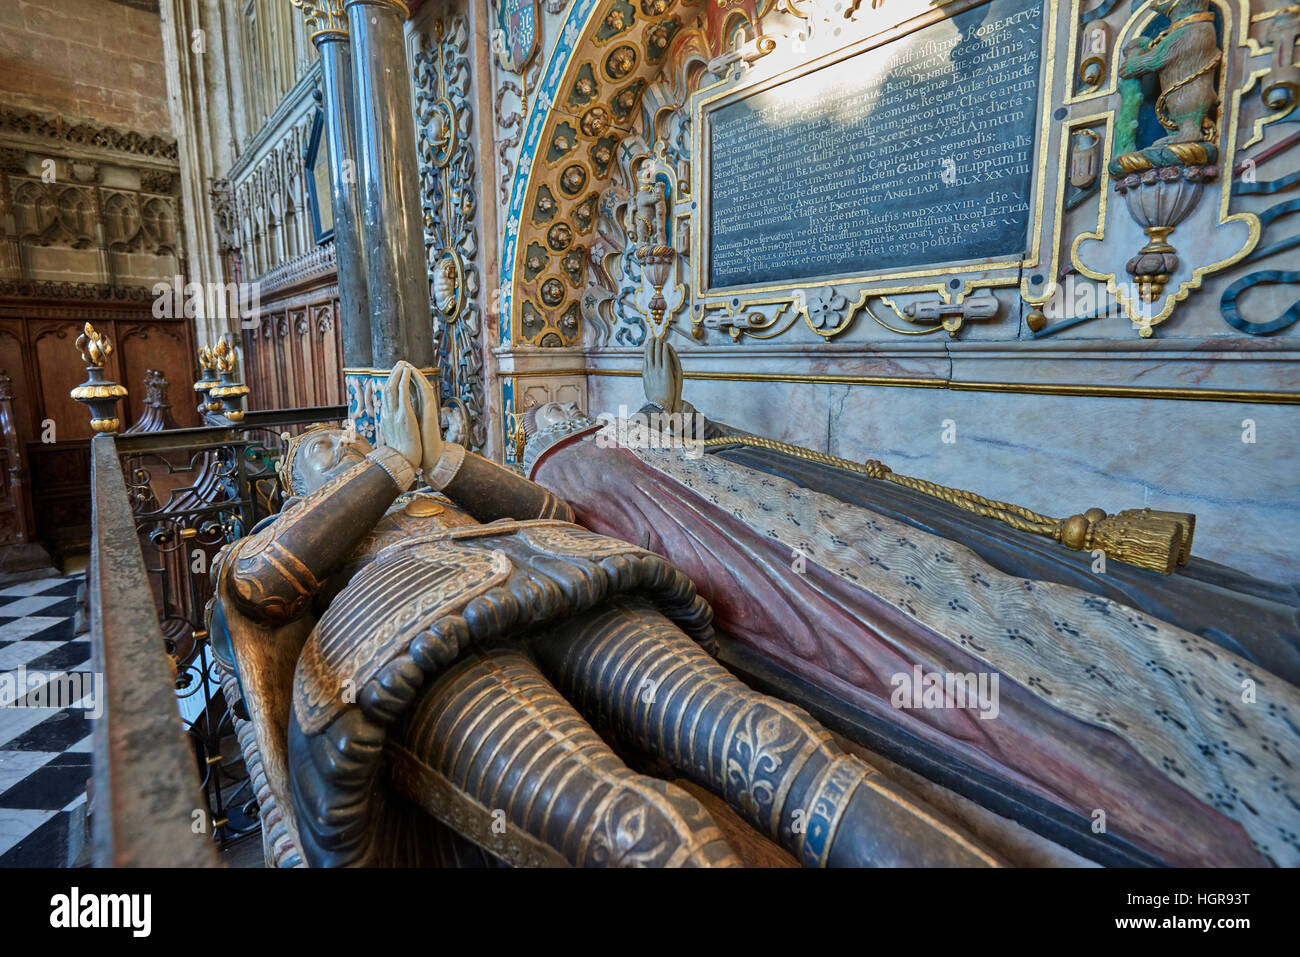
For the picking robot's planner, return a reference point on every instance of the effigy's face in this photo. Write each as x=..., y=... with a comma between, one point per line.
x=555, y=413
x=325, y=454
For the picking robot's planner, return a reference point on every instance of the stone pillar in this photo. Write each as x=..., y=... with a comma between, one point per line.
x=328, y=24
x=397, y=275
x=198, y=98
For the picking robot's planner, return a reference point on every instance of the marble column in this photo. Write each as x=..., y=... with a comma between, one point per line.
x=349, y=246
x=392, y=226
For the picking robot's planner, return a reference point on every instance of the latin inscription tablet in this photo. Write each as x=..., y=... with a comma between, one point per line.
x=916, y=152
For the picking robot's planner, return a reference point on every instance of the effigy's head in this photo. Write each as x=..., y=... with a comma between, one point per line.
x=551, y=415
x=319, y=454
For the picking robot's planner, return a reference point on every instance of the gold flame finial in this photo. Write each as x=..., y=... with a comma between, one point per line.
x=94, y=348
x=224, y=356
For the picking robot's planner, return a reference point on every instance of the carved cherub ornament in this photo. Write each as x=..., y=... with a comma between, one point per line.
x=650, y=207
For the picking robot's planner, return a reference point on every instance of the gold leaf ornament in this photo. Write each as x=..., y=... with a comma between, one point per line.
x=94, y=348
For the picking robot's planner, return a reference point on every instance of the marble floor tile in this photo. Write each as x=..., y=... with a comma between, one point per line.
x=31, y=605
x=45, y=846
x=66, y=657
x=15, y=722
x=16, y=824
x=16, y=765
x=39, y=587
x=24, y=652
x=52, y=786
x=21, y=628
x=57, y=732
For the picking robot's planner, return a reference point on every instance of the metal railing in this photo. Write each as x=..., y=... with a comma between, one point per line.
x=170, y=786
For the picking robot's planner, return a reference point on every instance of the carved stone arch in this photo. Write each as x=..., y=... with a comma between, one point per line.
x=122, y=220
x=34, y=209
x=584, y=127
x=77, y=214
x=158, y=226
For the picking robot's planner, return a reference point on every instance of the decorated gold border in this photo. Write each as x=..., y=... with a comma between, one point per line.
x=703, y=100
x=539, y=165
x=1249, y=396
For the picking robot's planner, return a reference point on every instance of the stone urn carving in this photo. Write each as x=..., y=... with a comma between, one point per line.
x=1159, y=198
x=655, y=261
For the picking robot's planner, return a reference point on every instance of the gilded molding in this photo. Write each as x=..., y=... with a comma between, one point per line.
x=1252, y=396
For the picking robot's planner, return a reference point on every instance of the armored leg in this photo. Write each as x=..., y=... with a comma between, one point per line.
x=493, y=751
x=628, y=668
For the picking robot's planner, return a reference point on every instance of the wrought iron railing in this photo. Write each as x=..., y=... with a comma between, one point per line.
x=164, y=503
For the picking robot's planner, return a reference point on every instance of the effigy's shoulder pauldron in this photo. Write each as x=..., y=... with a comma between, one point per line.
x=412, y=609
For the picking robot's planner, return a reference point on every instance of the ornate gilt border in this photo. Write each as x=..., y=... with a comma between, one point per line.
x=884, y=283
x=1248, y=396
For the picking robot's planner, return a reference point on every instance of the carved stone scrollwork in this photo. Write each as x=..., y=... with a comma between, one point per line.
x=443, y=89
x=59, y=130
x=158, y=181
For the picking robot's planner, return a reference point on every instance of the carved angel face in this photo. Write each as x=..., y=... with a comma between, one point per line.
x=444, y=286
x=454, y=427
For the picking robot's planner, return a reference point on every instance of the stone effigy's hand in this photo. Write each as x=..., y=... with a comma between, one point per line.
x=426, y=404
x=661, y=375
x=401, y=423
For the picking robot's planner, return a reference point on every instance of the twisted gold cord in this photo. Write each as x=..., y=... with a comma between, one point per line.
x=1145, y=537
x=1014, y=515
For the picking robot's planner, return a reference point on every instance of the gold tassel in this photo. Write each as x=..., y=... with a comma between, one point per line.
x=1148, y=538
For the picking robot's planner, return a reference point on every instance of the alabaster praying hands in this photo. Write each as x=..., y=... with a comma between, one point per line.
x=420, y=667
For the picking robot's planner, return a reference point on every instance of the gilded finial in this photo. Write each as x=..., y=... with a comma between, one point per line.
x=207, y=381
x=323, y=16
x=229, y=392
x=521, y=441
x=223, y=357
x=94, y=348
x=97, y=393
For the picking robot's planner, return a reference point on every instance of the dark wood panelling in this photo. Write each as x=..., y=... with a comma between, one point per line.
x=38, y=350
x=293, y=354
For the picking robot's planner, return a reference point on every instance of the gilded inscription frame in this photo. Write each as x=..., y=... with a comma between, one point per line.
x=952, y=283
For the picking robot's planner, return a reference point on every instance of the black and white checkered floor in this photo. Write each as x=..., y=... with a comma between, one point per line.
x=44, y=753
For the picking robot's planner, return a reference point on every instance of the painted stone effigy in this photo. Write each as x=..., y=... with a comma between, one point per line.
x=1162, y=701
x=428, y=675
